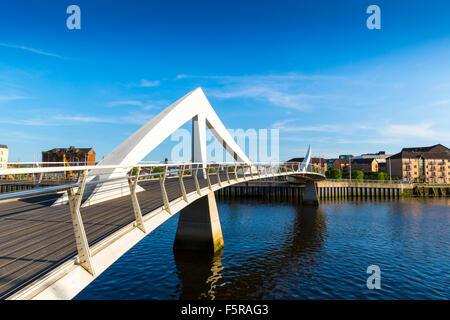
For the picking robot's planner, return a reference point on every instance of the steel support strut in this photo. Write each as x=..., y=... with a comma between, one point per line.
x=134, y=200
x=84, y=254
x=183, y=189
x=162, y=178
x=197, y=185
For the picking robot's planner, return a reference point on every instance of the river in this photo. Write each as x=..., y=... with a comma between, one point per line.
x=282, y=250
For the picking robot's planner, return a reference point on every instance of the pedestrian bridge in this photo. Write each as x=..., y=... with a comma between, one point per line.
x=54, y=241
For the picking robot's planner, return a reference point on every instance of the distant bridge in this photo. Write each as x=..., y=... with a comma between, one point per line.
x=41, y=259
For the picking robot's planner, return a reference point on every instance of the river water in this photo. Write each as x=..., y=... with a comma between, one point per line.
x=288, y=251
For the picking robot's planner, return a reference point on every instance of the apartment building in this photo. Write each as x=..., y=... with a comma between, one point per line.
x=3, y=156
x=421, y=164
x=361, y=164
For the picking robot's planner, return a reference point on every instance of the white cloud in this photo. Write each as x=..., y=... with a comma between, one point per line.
x=296, y=101
x=441, y=102
x=147, y=83
x=28, y=122
x=126, y=102
x=30, y=50
x=421, y=130
x=64, y=120
x=12, y=97
x=313, y=128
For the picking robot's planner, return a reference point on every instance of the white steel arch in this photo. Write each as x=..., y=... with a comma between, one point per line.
x=193, y=105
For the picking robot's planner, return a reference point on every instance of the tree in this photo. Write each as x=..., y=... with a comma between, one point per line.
x=371, y=176
x=383, y=176
x=333, y=173
x=357, y=175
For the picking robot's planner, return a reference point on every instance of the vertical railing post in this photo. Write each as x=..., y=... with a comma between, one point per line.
x=228, y=175
x=134, y=200
x=84, y=254
x=207, y=177
x=218, y=176
x=197, y=185
x=183, y=189
x=236, y=177
x=162, y=179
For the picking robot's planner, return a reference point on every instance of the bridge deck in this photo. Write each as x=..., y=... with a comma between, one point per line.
x=35, y=238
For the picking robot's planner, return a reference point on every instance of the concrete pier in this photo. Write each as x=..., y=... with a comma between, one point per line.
x=310, y=194
x=199, y=226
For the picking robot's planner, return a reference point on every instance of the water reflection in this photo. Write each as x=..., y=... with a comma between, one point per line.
x=294, y=247
x=198, y=273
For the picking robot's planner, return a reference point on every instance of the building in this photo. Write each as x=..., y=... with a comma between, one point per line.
x=345, y=156
x=364, y=165
x=330, y=163
x=421, y=164
x=71, y=154
x=341, y=164
x=3, y=156
x=380, y=156
x=318, y=163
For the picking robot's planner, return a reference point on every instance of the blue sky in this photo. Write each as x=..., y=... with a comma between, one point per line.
x=312, y=69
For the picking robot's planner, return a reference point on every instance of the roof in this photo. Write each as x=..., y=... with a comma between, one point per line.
x=313, y=160
x=70, y=149
x=341, y=161
x=4, y=146
x=363, y=161
x=438, y=151
x=435, y=148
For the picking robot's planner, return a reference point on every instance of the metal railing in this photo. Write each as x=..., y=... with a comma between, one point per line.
x=370, y=181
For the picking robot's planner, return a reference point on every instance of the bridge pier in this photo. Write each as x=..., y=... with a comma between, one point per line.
x=310, y=194
x=199, y=226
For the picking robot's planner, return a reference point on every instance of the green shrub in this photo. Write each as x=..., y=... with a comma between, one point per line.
x=357, y=175
x=333, y=173
x=158, y=169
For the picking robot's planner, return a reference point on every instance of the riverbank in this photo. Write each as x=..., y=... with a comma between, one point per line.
x=285, y=190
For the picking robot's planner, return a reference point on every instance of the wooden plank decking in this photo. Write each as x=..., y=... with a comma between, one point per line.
x=35, y=237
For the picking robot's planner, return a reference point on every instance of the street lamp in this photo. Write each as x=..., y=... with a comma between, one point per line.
x=350, y=162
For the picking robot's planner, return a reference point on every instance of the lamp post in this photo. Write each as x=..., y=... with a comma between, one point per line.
x=390, y=176
x=350, y=162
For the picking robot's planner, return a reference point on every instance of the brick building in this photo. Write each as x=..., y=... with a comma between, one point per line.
x=72, y=154
x=3, y=156
x=362, y=164
x=421, y=164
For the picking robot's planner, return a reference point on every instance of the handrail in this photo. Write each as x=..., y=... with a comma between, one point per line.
x=168, y=171
x=11, y=171
x=369, y=181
